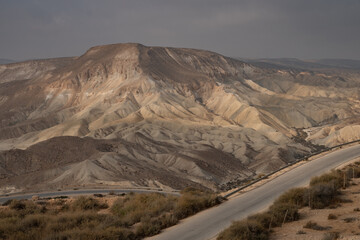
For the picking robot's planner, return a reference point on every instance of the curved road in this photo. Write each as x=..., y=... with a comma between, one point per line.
x=207, y=224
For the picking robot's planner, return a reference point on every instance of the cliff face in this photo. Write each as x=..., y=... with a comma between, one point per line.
x=160, y=117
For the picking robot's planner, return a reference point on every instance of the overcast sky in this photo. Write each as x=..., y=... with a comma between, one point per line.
x=304, y=29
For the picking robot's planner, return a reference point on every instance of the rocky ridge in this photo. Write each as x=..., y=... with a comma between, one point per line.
x=129, y=115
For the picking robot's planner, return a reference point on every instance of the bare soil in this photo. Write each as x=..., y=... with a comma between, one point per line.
x=347, y=222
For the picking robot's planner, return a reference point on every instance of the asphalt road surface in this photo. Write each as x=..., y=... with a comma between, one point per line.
x=207, y=224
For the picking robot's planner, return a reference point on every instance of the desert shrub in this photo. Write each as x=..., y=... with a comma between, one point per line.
x=293, y=196
x=58, y=202
x=65, y=207
x=85, y=234
x=321, y=195
x=315, y=226
x=61, y=197
x=133, y=208
x=265, y=219
x=87, y=203
x=120, y=234
x=356, y=172
x=286, y=211
x=244, y=230
x=310, y=224
x=352, y=171
x=300, y=232
x=7, y=202
x=193, y=200
x=62, y=223
x=33, y=221
x=257, y=226
x=7, y=213
x=166, y=220
x=88, y=220
x=332, y=216
x=8, y=225
x=331, y=236
x=334, y=177
x=68, y=221
x=99, y=195
x=323, y=192
x=17, y=205
x=350, y=219
x=25, y=207
x=151, y=226
x=20, y=235
x=131, y=217
x=22, y=227
x=148, y=227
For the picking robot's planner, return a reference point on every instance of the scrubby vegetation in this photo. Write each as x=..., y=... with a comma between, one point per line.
x=193, y=201
x=337, y=178
x=324, y=191
x=132, y=216
x=245, y=230
x=294, y=196
x=87, y=203
x=257, y=227
x=135, y=216
x=331, y=236
x=315, y=226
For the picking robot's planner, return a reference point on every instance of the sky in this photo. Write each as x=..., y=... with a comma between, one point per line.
x=305, y=29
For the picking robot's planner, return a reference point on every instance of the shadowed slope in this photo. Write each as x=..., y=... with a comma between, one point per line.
x=176, y=116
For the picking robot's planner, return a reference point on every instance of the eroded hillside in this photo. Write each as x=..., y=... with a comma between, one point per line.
x=137, y=116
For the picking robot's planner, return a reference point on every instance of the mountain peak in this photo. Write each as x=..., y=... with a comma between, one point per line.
x=161, y=116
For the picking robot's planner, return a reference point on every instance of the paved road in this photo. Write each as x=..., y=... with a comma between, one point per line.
x=77, y=193
x=207, y=224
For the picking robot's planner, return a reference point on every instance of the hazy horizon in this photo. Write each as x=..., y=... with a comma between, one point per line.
x=323, y=29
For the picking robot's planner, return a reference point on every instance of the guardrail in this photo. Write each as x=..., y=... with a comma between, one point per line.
x=288, y=165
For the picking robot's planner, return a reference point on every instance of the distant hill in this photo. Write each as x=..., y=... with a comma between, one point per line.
x=341, y=63
x=286, y=63
x=5, y=61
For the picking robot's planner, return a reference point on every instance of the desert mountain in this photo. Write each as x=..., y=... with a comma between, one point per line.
x=127, y=115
